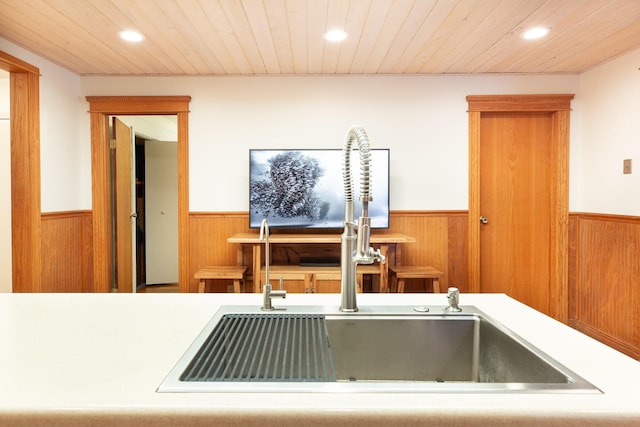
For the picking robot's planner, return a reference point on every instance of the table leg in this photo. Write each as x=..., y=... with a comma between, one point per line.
x=436, y=285
x=384, y=270
x=309, y=283
x=240, y=255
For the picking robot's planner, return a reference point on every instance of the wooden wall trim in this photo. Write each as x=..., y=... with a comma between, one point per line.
x=26, y=243
x=423, y=213
x=500, y=103
x=559, y=230
x=474, y=202
x=559, y=105
x=100, y=202
x=605, y=338
x=14, y=65
x=101, y=107
x=237, y=214
x=183, y=196
x=65, y=214
x=138, y=105
x=420, y=213
x=605, y=217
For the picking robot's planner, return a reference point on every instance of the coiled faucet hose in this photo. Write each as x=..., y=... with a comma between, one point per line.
x=357, y=133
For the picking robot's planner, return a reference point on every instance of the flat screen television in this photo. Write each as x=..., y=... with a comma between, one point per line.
x=304, y=188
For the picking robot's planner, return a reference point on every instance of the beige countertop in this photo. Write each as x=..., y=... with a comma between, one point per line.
x=79, y=359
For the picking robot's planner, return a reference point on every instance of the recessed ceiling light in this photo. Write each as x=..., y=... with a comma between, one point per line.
x=335, y=36
x=131, y=36
x=536, y=33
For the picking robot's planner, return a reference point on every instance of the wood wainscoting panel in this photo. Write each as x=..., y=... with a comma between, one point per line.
x=208, y=244
x=458, y=251
x=67, y=252
x=441, y=242
x=67, y=243
x=605, y=279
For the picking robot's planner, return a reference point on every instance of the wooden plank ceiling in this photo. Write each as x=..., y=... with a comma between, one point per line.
x=284, y=37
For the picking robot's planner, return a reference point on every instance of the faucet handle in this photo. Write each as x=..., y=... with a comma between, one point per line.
x=268, y=294
x=378, y=256
x=362, y=240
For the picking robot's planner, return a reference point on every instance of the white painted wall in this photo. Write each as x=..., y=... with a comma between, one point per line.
x=422, y=119
x=610, y=121
x=65, y=156
x=5, y=186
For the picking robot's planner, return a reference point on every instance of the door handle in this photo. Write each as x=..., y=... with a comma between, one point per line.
x=134, y=215
x=483, y=220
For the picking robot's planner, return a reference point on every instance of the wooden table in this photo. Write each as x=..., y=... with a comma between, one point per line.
x=388, y=243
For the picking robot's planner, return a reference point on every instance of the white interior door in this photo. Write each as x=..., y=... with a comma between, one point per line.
x=161, y=211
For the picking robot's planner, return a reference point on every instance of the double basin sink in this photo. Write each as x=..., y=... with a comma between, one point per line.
x=377, y=349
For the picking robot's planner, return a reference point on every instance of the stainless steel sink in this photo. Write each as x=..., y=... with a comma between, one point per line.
x=378, y=349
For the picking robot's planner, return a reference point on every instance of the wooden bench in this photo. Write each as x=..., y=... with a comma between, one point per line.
x=220, y=272
x=398, y=274
x=312, y=275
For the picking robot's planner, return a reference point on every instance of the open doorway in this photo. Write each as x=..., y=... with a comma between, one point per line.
x=144, y=203
x=5, y=185
x=100, y=109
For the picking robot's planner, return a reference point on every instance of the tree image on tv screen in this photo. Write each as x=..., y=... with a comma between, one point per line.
x=287, y=190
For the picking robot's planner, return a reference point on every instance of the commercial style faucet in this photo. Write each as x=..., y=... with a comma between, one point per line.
x=355, y=239
x=267, y=291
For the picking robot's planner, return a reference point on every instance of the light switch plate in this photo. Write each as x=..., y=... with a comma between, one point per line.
x=626, y=166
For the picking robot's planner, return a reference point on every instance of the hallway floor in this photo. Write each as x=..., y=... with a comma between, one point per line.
x=161, y=288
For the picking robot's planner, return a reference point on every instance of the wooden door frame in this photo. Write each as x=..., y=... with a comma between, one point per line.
x=100, y=108
x=559, y=106
x=26, y=226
